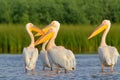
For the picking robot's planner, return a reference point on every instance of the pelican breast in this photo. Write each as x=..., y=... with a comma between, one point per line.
x=108, y=55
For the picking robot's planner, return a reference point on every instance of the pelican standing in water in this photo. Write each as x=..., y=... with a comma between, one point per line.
x=45, y=59
x=30, y=53
x=60, y=56
x=108, y=54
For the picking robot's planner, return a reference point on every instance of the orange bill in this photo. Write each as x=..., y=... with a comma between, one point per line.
x=36, y=29
x=98, y=30
x=45, y=30
x=44, y=38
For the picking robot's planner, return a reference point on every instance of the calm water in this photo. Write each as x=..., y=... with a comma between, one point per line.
x=88, y=68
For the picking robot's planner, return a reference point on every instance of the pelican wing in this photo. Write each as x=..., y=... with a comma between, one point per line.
x=71, y=58
x=108, y=55
x=62, y=57
x=26, y=56
x=115, y=54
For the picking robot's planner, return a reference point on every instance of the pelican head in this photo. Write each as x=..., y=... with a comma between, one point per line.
x=104, y=26
x=29, y=26
x=49, y=31
x=55, y=24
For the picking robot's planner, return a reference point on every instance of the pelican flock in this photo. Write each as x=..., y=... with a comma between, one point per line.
x=60, y=56
x=51, y=54
x=30, y=53
x=108, y=54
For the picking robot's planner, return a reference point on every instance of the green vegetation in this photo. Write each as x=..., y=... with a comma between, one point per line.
x=13, y=38
x=78, y=16
x=65, y=11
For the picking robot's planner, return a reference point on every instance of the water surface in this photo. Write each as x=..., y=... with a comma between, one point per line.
x=88, y=68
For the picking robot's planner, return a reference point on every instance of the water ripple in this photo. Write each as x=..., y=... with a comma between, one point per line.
x=88, y=68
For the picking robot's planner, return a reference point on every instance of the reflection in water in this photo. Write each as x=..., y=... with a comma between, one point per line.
x=88, y=68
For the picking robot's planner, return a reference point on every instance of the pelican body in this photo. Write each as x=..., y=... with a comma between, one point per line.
x=44, y=57
x=30, y=53
x=108, y=55
x=62, y=58
x=59, y=55
x=31, y=56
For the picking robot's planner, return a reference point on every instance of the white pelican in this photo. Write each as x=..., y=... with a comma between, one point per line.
x=108, y=54
x=60, y=56
x=30, y=53
x=45, y=59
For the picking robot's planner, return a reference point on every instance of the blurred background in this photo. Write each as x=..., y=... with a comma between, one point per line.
x=78, y=19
